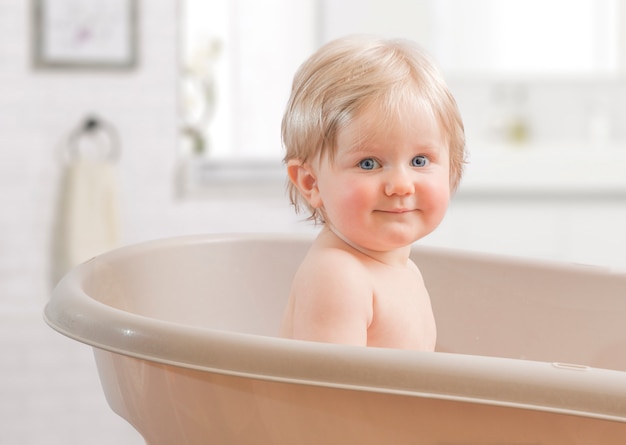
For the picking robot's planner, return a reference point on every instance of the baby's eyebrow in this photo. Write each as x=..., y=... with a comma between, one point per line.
x=359, y=146
x=429, y=147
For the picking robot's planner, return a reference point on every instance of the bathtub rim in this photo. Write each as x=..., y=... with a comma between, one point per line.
x=496, y=381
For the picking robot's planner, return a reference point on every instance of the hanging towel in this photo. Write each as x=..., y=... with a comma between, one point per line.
x=88, y=222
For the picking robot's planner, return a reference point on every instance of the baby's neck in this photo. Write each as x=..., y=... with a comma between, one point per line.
x=394, y=258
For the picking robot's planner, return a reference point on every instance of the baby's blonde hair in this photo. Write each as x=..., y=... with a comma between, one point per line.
x=343, y=78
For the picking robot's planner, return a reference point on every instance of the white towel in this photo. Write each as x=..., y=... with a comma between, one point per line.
x=88, y=222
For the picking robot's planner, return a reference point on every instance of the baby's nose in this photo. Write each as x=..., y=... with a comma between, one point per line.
x=399, y=182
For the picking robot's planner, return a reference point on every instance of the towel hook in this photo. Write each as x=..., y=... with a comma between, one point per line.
x=94, y=127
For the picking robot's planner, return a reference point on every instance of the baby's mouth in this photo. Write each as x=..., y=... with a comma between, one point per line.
x=397, y=210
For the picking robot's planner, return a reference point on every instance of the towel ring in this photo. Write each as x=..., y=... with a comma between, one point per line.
x=93, y=126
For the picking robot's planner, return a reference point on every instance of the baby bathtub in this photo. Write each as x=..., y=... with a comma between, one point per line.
x=184, y=331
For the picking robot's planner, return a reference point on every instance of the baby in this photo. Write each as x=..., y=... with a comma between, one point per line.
x=375, y=148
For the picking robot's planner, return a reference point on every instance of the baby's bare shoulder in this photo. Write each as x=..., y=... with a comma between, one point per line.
x=334, y=261
x=333, y=298
x=332, y=271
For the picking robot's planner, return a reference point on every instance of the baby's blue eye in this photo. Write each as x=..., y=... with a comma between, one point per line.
x=420, y=161
x=368, y=164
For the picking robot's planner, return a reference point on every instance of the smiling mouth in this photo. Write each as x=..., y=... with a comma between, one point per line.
x=398, y=211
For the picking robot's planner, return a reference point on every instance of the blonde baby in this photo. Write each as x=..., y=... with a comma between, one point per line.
x=374, y=149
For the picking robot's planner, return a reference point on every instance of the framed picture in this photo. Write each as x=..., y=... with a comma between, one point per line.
x=79, y=34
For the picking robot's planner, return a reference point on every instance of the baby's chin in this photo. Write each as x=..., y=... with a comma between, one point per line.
x=396, y=239
x=387, y=245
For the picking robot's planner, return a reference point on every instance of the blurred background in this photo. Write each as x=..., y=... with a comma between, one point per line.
x=128, y=120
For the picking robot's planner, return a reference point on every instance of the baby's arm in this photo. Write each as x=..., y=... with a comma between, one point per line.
x=333, y=301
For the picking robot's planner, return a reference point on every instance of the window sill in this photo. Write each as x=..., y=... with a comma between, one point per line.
x=202, y=178
x=492, y=175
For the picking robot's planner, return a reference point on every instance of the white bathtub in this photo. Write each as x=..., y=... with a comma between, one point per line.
x=183, y=333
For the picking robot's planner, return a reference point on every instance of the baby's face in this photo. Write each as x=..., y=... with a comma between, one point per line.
x=389, y=184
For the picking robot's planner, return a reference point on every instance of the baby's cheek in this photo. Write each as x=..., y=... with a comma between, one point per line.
x=345, y=209
x=355, y=199
x=434, y=195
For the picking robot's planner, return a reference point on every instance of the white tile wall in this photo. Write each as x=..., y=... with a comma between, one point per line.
x=49, y=391
x=584, y=229
x=39, y=108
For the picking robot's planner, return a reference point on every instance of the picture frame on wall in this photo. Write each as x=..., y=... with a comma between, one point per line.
x=85, y=34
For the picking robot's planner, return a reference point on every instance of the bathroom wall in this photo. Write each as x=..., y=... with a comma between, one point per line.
x=574, y=111
x=49, y=388
x=49, y=392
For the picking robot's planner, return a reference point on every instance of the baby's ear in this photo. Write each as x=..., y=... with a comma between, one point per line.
x=303, y=177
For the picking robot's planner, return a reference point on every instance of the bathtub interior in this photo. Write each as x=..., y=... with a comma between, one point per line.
x=484, y=305
x=531, y=310
x=227, y=284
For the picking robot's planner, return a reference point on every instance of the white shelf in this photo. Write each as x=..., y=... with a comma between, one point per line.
x=567, y=169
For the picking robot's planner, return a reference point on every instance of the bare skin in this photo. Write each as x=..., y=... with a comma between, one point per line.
x=387, y=186
x=345, y=296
